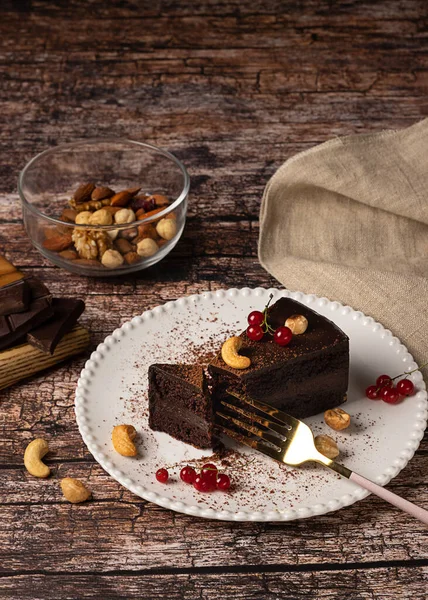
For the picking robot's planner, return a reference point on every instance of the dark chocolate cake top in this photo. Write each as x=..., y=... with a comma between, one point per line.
x=191, y=374
x=320, y=335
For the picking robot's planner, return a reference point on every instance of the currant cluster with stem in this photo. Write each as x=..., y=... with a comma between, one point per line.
x=258, y=325
x=385, y=390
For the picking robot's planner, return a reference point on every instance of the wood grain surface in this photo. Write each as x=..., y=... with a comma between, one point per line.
x=233, y=88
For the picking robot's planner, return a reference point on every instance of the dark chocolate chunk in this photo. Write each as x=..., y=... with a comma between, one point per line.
x=47, y=336
x=38, y=289
x=21, y=323
x=14, y=298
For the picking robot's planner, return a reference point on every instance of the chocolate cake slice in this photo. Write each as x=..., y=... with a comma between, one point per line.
x=307, y=377
x=179, y=403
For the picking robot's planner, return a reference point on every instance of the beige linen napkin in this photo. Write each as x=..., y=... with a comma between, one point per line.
x=349, y=220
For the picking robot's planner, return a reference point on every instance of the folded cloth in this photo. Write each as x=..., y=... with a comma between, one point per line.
x=349, y=220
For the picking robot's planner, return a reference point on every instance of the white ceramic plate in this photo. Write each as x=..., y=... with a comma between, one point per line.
x=112, y=390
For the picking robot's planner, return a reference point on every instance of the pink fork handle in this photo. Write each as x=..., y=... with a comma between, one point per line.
x=405, y=505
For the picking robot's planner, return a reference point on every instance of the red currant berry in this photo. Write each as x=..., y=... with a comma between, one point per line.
x=372, y=392
x=405, y=387
x=188, y=474
x=390, y=395
x=203, y=485
x=162, y=475
x=223, y=482
x=255, y=332
x=255, y=318
x=384, y=381
x=282, y=336
x=209, y=473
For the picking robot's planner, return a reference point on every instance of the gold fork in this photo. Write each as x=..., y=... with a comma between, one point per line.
x=291, y=441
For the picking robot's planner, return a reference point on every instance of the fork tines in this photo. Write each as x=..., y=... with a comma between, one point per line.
x=268, y=433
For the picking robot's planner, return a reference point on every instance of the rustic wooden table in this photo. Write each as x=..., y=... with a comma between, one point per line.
x=233, y=88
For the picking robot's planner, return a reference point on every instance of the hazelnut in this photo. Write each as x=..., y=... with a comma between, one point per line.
x=337, y=419
x=147, y=247
x=83, y=217
x=125, y=215
x=297, y=323
x=101, y=217
x=327, y=446
x=112, y=259
x=166, y=228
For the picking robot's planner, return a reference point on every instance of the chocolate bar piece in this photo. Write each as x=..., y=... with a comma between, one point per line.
x=14, y=298
x=21, y=323
x=47, y=336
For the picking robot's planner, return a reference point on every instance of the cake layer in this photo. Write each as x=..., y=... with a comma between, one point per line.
x=180, y=405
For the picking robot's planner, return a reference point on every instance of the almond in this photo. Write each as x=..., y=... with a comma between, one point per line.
x=83, y=192
x=131, y=257
x=150, y=213
x=121, y=199
x=69, y=215
x=133, y=191
x=58, y=242
x=140, y=212
x=159, y=199
x=112, y=209
x=147, y=231
x=101, y=193
x=123, y=246
x=69, y=254
x=87, y=262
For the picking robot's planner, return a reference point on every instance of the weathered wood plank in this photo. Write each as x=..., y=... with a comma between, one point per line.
x=386, y=583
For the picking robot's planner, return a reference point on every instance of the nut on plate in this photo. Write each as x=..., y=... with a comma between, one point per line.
x=33, y=455
x=230, y=354
x=327, y=446
x=112, y=259
x=166, y=228
x=74, y=490
x=337, y=419
x=147, y=247
x=297, y=323
x=123, y=437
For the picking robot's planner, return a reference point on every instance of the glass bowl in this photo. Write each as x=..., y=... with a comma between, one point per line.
x=97, y=235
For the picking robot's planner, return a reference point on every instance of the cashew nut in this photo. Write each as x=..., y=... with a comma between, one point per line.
x=33, y=455
x=74, y=490
x=229, y=353
x=123, y=437
x=297, y=323
x=166, y=228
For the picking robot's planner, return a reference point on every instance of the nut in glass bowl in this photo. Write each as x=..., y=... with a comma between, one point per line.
x=103, y=207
